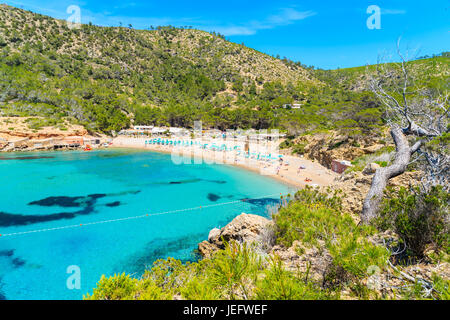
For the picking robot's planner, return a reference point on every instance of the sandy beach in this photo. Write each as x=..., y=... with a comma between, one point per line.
x=295, y=171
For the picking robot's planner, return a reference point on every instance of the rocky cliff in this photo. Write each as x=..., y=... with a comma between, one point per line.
x=326, y=147
x=245, y=228
x=355, y=186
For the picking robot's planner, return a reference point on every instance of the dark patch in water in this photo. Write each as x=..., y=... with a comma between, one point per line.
x=185, y=181
x=161, y=249
x=192, y=181
x=26, y=158
x=68, y=202
x=213, y=197
x=10, y=220
x=216, y=181
x=113, y=204
x=87, y=204
x=97, y=196
x=15, y=261
x=263, y=201
x=6, y=253
x=110, y=154
x=77, y=202
x=18, y=262
x=2, y=295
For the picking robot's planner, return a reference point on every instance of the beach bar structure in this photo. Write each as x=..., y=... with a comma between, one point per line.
x=74, y=140
x=91, y=141
x=143, y=128
x=44, y=143
x=340, y=166
x=159, y=131
x=69, y=142
x=21, y=143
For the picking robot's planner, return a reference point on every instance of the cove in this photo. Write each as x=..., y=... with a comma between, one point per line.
x=56, y=189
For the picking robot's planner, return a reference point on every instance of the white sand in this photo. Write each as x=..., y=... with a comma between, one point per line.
x=288, y=169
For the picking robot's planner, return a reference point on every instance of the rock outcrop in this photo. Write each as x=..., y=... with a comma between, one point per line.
x=14, y=128
x=299, y=258
x=330, y=146
x=246, y=228
x=252, y=229
x=355, y=186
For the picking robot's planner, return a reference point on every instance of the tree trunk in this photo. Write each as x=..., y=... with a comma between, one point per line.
x=382, y=175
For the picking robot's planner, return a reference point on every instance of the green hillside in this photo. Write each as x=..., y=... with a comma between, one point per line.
x=106, y=78
x=103, y=77
x=430, y=72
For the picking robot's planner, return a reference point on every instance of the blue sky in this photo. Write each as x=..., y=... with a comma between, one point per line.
x=326, y=34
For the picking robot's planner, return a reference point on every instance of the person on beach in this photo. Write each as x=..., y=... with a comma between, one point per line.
x=300, y=168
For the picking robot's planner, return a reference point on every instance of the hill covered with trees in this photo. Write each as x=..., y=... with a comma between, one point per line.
x=104, y=77
x=107, y=78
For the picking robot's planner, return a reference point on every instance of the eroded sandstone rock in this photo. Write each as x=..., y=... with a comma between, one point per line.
x=246, y=228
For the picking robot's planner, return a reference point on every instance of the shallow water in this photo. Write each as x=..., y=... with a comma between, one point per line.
x=57, y=189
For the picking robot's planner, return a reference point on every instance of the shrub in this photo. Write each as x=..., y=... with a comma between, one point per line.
x=313, y=216
x=235, y=268
x=355, y=254
x=279, y=284
x=316, y=219
x=288, y=143
x=119, y=287
x=419, y=218
x=299, y=149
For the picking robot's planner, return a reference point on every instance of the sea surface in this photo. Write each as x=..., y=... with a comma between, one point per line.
x=49, y=191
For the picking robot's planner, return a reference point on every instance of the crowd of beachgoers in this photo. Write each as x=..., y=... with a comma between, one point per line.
x=261, y=155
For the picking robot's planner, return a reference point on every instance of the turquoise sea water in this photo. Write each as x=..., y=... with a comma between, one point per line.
x=55, y=189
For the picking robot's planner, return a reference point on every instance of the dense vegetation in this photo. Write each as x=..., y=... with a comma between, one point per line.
x=419, y=218
x=107, y=78
x=312, y=219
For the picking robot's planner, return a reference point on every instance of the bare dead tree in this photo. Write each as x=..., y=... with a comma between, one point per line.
x=419, y=122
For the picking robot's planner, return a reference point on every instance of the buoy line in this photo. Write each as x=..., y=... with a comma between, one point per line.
x=133, y=218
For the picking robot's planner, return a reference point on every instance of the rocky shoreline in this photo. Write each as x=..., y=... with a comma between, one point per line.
x=316, y=261
x=259, y=233
x=17, y=134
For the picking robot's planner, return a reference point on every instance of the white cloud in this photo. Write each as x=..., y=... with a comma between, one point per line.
x=392, y=11
x=285, y=17
x=235, y=31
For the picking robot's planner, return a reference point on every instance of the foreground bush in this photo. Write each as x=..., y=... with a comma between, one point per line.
x=239, y=272
x=232, y=274
x=421, y=219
